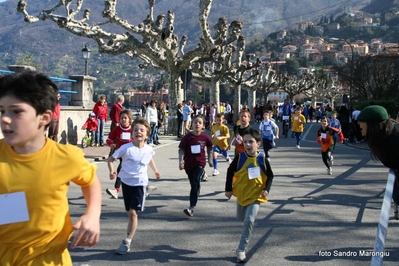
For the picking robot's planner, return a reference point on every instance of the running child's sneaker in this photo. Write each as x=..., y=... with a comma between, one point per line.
x=204, y=178
x=241, y=258
x=112, y=192
x=229, y=160
x=215, y=172
x=189, y=211
x=123, y=248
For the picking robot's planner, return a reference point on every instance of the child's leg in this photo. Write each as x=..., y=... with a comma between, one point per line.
x=298, y=138
x=250, y=215
x=324, y=156
x=132, y=224
x=266, y=147
x=194, y=176
x=225, y=154
x=215, y=160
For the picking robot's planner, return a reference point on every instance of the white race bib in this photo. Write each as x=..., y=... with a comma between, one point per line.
x=286, y=117
x=125, y=136
x=13, y=208
x=296, y=118
x=323, y=135
x=217, y=133
x=195, y=149
x=253, y=172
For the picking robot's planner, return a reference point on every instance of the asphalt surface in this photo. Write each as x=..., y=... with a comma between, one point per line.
x=311, y=218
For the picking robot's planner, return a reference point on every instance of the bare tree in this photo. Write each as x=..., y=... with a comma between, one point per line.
x=153, y=41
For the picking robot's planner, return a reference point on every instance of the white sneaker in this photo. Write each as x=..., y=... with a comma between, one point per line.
x=112, y=192
x=298, y=147
x=329, y=171
x=229, y=160
x=241, y=256
x=149, y=189
x=215, y=172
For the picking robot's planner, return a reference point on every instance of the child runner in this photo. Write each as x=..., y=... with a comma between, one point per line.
x=91, y=126
x=220, y=134
x=325, y=137
x=119, y=136
x=35, y=176
x=269, y=131
x=193, y=160
x=136, y=156
x=249, y=178
x=298, y=120
x=334, y=122
x=242, y=126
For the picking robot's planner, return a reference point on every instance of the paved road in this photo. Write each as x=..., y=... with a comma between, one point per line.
x=311, y=218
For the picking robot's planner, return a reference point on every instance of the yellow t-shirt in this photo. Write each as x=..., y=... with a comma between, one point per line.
x=245, y=188
x=44, y=178
x=224, y=131
x=296, y=119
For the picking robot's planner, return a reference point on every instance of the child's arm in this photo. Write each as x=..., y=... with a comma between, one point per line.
x=229, y=178
x=210, y=157
x=270, y=176
x=112, y=172
x=154, y=168
x=181, y=159
x=88, y=225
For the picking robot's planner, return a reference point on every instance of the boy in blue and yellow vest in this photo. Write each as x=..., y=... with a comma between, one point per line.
x=249, y=178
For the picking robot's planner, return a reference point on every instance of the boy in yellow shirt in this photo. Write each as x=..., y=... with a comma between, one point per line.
x=249, y=178
x=298, y=121
x=35, y=176
x=220, y=134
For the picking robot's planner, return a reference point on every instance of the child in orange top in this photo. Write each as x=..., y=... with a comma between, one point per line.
x=91, y=126
x=325, y=137
x=240, y=129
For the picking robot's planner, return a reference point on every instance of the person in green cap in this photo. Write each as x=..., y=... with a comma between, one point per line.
x=382, y=136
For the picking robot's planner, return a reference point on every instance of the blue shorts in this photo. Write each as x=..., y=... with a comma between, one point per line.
x=218, y=150
x=133, y=197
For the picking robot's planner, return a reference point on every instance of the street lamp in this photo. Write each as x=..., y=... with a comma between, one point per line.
x=86, y=55
x=352, y=67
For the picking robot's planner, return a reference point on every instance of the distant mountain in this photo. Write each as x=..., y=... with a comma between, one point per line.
x=53, y=47
x=381, y=6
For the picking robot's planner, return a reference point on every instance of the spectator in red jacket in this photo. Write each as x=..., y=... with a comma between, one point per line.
x=101, y=111
x=116, y=111
x=91, y=126
x=55, y=121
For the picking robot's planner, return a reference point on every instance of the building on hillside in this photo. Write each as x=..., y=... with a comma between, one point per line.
x=277, y=97
x=302, y=26
x=333, y=26
x=281, y=34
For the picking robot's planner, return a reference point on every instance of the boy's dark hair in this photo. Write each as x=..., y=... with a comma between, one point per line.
x=32, y=88
x=254, y=133
x=201, y=117
x=326, y=118
x=219, y=115
x=142, y=121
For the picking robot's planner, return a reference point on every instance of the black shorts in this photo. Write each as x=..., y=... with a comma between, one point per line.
x=133, y=197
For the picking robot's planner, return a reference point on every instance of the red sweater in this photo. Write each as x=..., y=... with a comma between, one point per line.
x=101, y=111
x=91, y=124
x=115, y=112
x=120, y=135
x=57, y=112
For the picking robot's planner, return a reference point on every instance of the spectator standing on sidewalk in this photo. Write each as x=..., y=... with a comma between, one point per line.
x=101, y=111
x=55, y=121
x=35, y=223
x=116, y=110
x=160, y=123
x=119, y=136
x=179, y=113
x=193, y=160
x=151, y=115
x=358, y=133
x=136, y=156
x=382, y=136
x=249, y=178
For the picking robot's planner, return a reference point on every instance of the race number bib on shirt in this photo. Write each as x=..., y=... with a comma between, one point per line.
x=13, y=208
x=323, y=135
x=253, y=172
x=125, y=136
x=195, y=149
x=296, y=118
x=217, y=133
x=286, y=117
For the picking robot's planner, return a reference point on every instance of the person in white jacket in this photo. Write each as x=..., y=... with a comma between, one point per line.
x=151, y=115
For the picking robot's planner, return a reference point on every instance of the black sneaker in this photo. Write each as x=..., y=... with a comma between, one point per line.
x=189, y=212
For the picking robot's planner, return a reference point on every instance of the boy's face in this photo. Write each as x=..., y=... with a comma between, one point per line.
x=219, y=121
x=21, y=127
x=198, y=124
x=244, y=118
x=324, y=122
x=334, y=116
x=140, y=133
x=250, y=145
x=266, y=116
